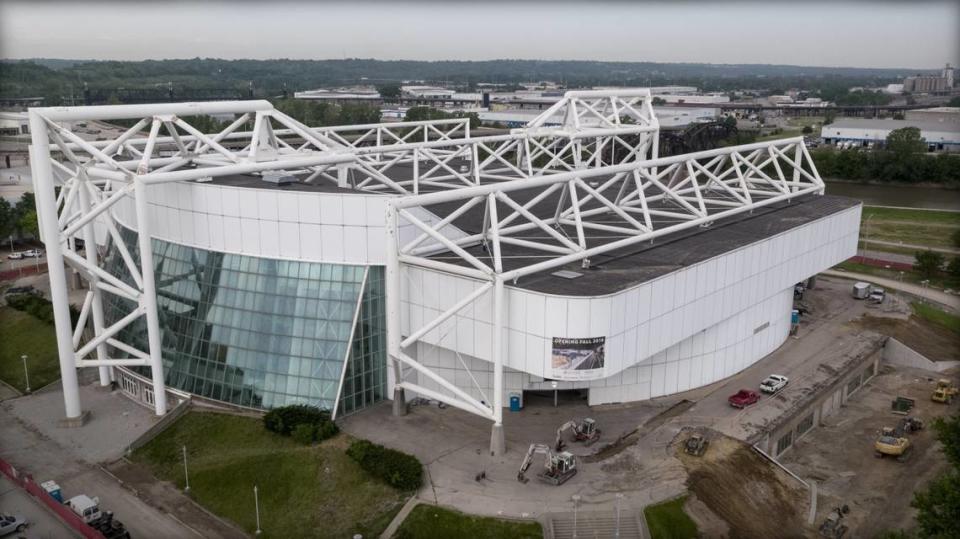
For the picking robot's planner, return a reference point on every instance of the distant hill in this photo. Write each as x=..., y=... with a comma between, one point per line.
x=54, y=78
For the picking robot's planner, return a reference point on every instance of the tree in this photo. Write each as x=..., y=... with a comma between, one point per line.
x=657, y=101
x=953, y=268
x=955, y=102
x=928, y=263
x=906, y=141
x=955, y=237
x=389, y=90
x=938, y=507
x=807, y=130
x=8, y=219
x=29, y=225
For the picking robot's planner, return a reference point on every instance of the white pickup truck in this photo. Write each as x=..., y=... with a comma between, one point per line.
x=774, y=383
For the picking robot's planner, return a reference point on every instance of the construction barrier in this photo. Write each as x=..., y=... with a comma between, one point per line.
x=26, y=482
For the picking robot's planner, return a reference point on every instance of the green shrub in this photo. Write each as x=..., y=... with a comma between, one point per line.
x=305, y=433
x=286, y=418
x=37, y=307
x=327, y=429
x=395, y=468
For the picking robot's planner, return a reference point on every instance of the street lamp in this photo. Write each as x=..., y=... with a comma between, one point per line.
x=256, y=504
x=553, y=384
x=186, y=475
x=576, y=504
x=26, y=373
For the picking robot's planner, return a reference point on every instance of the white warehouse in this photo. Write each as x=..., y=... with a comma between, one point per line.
x=273, y=263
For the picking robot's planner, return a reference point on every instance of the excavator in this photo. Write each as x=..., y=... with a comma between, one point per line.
x=557, y=467
x=893, y=442
x=945, y=391
x=586, y=431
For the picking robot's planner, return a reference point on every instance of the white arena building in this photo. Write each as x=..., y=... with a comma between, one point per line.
x=273, y=263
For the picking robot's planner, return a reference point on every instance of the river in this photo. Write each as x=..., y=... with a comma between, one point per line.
x=897, y=195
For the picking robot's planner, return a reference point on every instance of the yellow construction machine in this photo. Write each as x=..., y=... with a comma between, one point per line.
x=893, y=442
x=944, y=392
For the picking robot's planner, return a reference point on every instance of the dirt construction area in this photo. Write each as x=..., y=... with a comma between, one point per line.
x=733, y=490
x=839, y=455
x=735, y=485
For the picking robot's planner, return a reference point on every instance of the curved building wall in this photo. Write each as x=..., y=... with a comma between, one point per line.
x=686, y=329
x=263, y=332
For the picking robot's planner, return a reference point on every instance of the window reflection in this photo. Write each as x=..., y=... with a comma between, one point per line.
x=261, y=332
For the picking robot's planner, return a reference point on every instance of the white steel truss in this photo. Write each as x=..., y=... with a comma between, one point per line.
x=78, y=183
x=569, y=217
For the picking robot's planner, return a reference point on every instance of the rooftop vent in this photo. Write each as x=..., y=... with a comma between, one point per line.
x=567, y=274
x=279, y=177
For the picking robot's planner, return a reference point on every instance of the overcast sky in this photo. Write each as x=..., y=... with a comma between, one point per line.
x=852, y=33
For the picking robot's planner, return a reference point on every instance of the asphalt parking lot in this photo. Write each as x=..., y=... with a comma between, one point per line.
x=42, y=524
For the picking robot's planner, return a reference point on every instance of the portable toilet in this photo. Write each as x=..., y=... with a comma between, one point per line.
x=53, y=489
x=516, y=402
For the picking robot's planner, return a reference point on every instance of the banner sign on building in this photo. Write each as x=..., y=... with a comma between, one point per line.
x=578, y=359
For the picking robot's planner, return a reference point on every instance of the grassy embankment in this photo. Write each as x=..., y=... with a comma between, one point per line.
x=305, y=491
x=667, y=520
x=21, y=333
x=430, y=522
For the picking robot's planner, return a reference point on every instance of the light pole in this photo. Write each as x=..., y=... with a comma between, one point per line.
x=256, y=505
x=554, y=385
x=186, y=474
x=924, y=283
x=26, y=373
x=576, y=503
x=619, y=499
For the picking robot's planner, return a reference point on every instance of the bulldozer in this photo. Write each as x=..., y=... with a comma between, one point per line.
x=695, y=445
x=585, y=431
x=944, y=392
x=893, y=442
x=558, y=468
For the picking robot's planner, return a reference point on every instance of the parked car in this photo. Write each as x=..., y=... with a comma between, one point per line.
x=12, y=523
x=15, y=256
x=33, y=253
x=876, y=295
x=743, y=398
x=774, y=383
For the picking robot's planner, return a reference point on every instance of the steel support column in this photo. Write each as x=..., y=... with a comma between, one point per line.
x=90, y=250
x=497, y=442
x=149, y=296
x=50, y=229
x=392, y=291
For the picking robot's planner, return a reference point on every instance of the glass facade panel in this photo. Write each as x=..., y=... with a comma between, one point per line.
x=259, y=332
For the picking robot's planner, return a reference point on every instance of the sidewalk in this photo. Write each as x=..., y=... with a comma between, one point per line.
x=947, y=300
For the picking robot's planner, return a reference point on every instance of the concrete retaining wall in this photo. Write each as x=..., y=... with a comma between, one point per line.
x=823, y=402
x=897, y=353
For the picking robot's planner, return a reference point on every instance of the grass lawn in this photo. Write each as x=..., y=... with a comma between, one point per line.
x=915, y=233
x=667, y=520
x=21, y=333
x=305, y=491
x=431, y=522
x=937, y=316
x=917, y=216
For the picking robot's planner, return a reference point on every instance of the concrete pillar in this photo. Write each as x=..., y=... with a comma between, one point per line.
x=498, y=445
x=497, y=442
x=399, y=402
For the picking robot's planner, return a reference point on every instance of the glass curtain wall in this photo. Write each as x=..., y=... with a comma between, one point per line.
x=260, y=332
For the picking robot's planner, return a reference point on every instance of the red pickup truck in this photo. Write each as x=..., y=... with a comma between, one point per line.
x=743, y=398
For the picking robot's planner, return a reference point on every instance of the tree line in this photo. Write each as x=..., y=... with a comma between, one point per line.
x=20, y=219
x=903, y=158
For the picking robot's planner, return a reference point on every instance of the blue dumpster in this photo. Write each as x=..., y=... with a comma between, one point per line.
x=515, y=402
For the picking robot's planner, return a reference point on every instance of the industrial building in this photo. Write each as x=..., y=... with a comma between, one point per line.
x=342, y=266
x=930, y=84
x=941, y=136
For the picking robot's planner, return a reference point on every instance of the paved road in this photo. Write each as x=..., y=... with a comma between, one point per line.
x=947, y=300
x=43, y=458
x=42, y=523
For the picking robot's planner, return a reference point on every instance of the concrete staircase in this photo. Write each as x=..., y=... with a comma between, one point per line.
x=594, y=525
